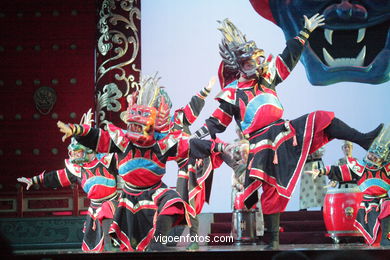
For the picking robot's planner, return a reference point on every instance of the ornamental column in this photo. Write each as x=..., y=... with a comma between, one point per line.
x=118, y=58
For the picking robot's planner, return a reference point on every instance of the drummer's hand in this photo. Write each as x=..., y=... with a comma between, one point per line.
x=331, y=184
x=314, y=173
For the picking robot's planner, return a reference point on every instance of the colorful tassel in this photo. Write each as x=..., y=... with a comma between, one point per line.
x=276, y=158
x=295, y=142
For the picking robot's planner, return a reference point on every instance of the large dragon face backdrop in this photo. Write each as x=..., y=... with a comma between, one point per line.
x=353, y=46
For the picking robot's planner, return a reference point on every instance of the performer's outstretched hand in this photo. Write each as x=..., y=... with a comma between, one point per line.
x=64, y=128
x=25, y=180
x=314, y=173
x=314, y=21
x=211, y=83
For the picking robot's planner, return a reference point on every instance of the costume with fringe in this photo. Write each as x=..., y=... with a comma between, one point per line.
x=278, y=147
x=98, y=180
x=145, y=196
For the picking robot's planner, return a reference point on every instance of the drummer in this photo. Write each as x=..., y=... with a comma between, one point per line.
x=373, y=177
x=347, y=149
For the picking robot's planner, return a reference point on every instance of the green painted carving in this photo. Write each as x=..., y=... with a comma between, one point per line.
x=52, y=232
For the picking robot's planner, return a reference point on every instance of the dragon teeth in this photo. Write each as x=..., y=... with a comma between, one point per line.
x=342, y=62
x=361, y=34
x=328, y=35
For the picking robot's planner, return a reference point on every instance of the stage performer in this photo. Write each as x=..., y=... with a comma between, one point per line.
x=147, y=209
x=373, y=178
x=278, y=147
x=193, y=185
x=347, y=149
x=97, y=177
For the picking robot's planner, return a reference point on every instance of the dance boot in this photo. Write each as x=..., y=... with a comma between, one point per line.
x=340, y=130
x=272, y=222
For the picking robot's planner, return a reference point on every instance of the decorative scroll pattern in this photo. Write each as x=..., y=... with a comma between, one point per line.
x=47, y=232
x=108, y=99
x=118, y=58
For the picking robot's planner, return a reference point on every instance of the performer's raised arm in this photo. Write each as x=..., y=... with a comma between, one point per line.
x=279, y=69
x=93, y=138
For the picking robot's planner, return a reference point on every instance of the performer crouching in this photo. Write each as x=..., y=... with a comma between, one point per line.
x=147, y=209
x=97, y=177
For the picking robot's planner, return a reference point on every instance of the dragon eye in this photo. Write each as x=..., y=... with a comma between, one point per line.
x=146, y=114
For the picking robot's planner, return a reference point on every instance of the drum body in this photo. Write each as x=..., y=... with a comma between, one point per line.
x=244, y=226
x=340, y=210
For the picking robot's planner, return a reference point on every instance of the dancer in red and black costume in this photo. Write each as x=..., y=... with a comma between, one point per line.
x=373, y=178
x=147, y=208
x=194, y=179
x=97, y=177
x=278, y=147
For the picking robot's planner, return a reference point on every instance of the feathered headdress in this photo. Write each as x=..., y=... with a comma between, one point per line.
x=234, y=46
x=151, y=93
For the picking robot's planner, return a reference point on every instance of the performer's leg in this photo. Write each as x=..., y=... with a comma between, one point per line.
x=272, y=204
x=163, y=225
x=108, y=242
x=272, y=222
x=385, y=226
x=194, y=234
x=340, y=130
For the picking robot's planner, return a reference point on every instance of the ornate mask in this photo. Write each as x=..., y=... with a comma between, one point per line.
x=140, y=124
x=79, y=154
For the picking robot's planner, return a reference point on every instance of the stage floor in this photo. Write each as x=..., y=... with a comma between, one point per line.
x=290, y=252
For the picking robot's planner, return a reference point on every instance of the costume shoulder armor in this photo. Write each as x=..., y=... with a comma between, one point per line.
x=356, y=166
x=269, y=76
x=118, y=136
x=73, y=168
x=228, y=93
x=178, y=118
x=169, y=141
x=106, y=159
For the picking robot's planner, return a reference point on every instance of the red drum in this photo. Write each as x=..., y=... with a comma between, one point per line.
x=340, y=210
